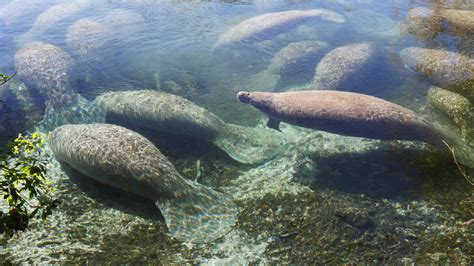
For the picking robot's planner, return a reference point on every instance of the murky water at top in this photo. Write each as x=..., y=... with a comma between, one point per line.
x=215, y=184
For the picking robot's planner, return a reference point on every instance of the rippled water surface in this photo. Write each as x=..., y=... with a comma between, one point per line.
x=297, y=195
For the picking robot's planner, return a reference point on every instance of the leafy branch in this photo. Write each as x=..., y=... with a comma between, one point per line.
x=5, y=78
x=23, y=184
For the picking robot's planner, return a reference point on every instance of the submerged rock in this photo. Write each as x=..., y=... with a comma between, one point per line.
x=124, y=159
x=457, y=107
x=446, y=69
x=343, y=68
x=268, y=25
x=292, y=64
x=50, y=18
x=168, y=113
x=45, y=67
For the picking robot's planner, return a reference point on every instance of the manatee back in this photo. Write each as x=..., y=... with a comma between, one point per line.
x=115, y=156
x=122, y=158
x=351, y=114
x=162, y=112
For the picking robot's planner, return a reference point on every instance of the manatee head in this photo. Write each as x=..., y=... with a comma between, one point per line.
x=260, y=100
x=243, y=96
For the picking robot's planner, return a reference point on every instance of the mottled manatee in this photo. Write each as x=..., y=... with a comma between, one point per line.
x=45, y=67
x=444, y=68
x=50, y=18
x=121, y=158
x=268, y=25
x=293, y=64
x=456, y=107
x=423, y=23
x=169, y=113
x=344, y=67
x=21, y=11
x=91, y=37
x=344, y=113
x=87, y=37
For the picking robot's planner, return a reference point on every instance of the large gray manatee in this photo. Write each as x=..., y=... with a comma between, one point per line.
x=344, y=113
x=164, y=112
x=45, y=68
x=345, y=67
x=51, y=18
x=449, y=70
x=291, y=65
x=121, y=158
x=266, y=26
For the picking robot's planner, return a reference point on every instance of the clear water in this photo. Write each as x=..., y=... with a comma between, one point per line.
x=324, y=198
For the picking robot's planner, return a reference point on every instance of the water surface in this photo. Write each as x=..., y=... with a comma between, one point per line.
x=326, y=198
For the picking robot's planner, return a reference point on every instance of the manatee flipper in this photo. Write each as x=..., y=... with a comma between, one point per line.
x=250, y=145
x=202, y=215
x=273, y=123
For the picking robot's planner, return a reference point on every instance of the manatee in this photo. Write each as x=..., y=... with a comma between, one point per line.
x=455, y=106
x=45, y=68
x=163, y=112
x=422, y=22
x=292, y=64
x=268, y=25
x=20, y=11
x=461, y=20
x=344, y=67
x=426, y=23
x=121, y=158
x=343, y=113
x=87, y=37
x=90, y=37
x=446, y=69
x=50, y=18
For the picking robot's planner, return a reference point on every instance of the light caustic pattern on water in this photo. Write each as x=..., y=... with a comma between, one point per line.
x=167, y=73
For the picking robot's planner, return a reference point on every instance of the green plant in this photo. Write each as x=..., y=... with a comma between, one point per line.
x=4, y=78
x=23, y=184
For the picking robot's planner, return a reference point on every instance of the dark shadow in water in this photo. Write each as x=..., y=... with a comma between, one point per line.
x=113, y=197
x=392, y=173
x=12, y=119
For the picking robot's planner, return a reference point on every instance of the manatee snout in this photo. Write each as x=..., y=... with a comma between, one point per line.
x=244, y=96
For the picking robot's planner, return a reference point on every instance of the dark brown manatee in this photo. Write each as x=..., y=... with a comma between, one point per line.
x=344, y=113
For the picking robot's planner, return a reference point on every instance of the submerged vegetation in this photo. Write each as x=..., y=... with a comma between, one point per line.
x=5, y=78
x=170, y=73
x=23, y=185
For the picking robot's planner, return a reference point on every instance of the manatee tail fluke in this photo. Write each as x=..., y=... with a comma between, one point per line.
x=462, y=150
x=78, y=111
x=251, y=145
x=200, y=216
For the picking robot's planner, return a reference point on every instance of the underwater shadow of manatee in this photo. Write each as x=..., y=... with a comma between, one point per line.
x=113, y=197
x=388, y=172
